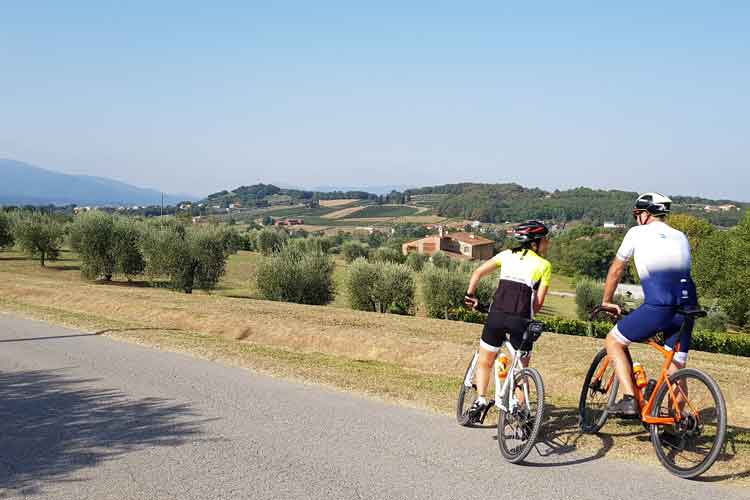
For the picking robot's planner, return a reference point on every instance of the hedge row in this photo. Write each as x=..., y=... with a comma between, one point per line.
x=737, y=344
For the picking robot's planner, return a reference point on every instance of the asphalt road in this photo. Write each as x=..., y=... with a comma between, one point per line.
x=87, y=417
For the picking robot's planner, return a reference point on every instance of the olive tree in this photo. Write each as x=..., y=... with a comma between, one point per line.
x=39, y=235
x=353, y=250
x=268, y=241
x=296, y=275
x=107, y=244
x=6, y=237
x=444, y=289
x=189, y=258
x=381, y=287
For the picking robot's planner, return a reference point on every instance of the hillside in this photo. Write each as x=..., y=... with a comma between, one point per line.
x=266, y=195
x=512, y=202
x=25, y=184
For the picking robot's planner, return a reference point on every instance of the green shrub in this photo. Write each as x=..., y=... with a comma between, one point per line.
x=38, y=234
x=296, y=275
x=92, y=236
x=416, y=261
x=441, y=260
x=394, y=289
x=353, y=250
x=6, y=237
x=385, y=254
x=716, y=321
x=381, y=287
x=127, y=248
x=589, y=294
x=443, y=290
x=268, y=241
x=190, y=258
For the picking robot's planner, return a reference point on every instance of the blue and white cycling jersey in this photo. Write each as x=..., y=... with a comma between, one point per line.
x=662, y=258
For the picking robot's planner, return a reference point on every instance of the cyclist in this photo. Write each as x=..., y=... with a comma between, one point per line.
x=662, y=258
x=524, y=281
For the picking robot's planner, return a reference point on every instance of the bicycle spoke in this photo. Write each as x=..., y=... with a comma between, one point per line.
x=689, y=443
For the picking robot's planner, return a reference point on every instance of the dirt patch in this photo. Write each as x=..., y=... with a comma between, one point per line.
x=343, y=213
x=337, y=203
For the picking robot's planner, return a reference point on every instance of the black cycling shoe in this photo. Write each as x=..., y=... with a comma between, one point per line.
x=477, y=411
x=626, y=407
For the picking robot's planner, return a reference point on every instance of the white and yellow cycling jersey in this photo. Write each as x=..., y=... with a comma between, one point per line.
x=522, y=271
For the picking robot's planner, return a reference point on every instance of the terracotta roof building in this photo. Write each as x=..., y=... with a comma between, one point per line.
x=466, y=246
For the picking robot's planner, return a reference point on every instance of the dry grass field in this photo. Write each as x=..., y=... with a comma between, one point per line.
x=414, y=361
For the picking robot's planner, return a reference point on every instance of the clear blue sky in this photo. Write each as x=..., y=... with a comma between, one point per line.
x=200, y=96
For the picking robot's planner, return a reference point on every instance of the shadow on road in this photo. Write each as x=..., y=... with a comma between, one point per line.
x=52, y=425
x=100, y=332
x=559, y=436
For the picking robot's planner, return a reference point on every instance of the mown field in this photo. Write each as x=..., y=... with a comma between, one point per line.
x=414, y=361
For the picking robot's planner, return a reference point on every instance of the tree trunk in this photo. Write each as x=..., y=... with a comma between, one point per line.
x=41, y=259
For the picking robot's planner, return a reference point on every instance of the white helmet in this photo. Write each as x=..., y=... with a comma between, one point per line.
x=653, y=203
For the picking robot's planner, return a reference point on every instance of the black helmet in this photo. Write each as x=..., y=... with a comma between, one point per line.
x=654, y=203
x=529, y=231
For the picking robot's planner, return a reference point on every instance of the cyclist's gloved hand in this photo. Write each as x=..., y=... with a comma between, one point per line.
x=471, y=301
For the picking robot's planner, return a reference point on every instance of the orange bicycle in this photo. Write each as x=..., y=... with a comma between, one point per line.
x=687, y=432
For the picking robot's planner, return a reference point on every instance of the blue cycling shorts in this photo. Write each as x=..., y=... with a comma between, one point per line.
x=648, y=320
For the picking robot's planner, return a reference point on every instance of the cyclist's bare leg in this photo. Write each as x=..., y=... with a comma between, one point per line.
x=484, y=369
x=623, y=369
x=682, y=392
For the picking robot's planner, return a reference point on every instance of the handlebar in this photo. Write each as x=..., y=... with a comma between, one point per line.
x=607, y=310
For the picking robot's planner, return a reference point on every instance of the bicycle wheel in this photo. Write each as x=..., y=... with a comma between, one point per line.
x=467, y=394
x=690, y=447
x=517, y=431
x=599, y=389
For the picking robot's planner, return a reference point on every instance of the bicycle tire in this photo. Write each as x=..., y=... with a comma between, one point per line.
x=593, y=415
x=462, y=416
x=662, y=443
x=529, y=429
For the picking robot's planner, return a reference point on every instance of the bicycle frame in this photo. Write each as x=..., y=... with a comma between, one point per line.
x=646, y=406
x=508, y=385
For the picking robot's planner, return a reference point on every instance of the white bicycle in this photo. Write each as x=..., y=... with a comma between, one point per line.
x=519, y=399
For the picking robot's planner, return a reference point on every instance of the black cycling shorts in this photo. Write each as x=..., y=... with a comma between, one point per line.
x=501, y=327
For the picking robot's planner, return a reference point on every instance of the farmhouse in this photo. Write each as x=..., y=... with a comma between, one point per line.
x=467, y=246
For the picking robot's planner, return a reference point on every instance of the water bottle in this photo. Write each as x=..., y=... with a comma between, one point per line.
x=503, y=365
x=639, y=374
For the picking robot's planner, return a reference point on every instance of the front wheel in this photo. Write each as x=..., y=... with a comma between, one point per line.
x=467, y=393
x=518, y=428
x=598, y=391
x=690, y=447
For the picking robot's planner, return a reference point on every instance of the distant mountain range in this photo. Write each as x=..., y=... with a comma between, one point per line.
x=22, y=184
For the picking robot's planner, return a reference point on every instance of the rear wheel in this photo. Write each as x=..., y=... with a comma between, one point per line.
x=517, y=430
x=467, y=394
x=598, y=391
x=691, y=446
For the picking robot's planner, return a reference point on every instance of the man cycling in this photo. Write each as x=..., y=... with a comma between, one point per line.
x=662, y=258
x=524, y=281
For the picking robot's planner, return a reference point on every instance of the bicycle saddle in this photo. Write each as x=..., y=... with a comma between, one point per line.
x=692, y=311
